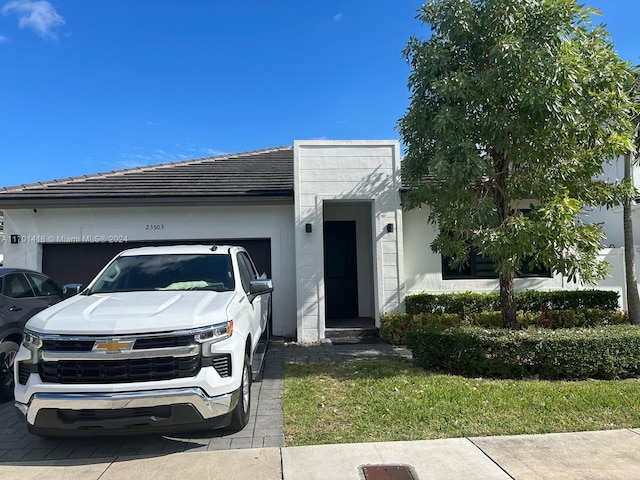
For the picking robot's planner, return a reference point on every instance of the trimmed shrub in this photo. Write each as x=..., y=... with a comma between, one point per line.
x=603, y=353
x=467, y=304
x=461, y=304
x=394, y=327
x=494, y=319
x=586, y=317
x=535, y=301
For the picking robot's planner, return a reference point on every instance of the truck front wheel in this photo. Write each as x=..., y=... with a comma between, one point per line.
x=8, y=352
x=240, y=415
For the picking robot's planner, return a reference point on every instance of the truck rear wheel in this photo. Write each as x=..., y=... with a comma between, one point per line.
x=240, y=415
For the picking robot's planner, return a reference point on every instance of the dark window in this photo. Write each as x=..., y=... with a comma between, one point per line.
x=247, y=271
x=484, y=267
x=534, y=271
x=166, y=272
x=15, y=285
x=477, y=267
x=43, y=286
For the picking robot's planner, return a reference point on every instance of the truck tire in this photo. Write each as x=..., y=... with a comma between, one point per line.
x=240, y=415
x=8, y=352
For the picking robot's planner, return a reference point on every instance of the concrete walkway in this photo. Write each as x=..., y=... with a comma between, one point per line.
x=257, y=452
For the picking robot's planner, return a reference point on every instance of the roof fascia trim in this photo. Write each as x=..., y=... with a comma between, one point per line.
x=8, y=204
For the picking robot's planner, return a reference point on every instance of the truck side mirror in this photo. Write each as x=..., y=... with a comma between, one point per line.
x=261, y=286
x=71, y=289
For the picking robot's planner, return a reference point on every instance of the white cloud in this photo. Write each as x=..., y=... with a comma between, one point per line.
x=38, y=15
x=142, y=156
x=338, y=17
x=4, y=39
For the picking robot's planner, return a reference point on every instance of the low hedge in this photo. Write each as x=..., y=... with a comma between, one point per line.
x=394, y=327
x=554, y=319
x=603, y=353
x=467, y=304
x=462, y=304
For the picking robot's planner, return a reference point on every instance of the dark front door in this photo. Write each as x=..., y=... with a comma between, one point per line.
x=340, y=270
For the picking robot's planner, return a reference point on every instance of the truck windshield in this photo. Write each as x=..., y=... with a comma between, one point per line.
x=166, y=272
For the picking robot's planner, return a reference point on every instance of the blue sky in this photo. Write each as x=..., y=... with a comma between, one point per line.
x=91, y=86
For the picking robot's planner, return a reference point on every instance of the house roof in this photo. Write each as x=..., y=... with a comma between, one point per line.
x=235, y=178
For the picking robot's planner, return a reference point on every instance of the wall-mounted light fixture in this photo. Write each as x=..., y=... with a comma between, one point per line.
x=389, y=227
x=308, y=227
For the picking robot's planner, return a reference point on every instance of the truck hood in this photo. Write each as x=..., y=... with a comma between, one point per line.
x=126, y=313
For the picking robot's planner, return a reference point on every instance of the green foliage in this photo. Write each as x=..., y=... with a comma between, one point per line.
x=515, y=103
x=554, y=309
x=554, y=319
x=394, y=327
x=533, y=300
x=463, y=304
x=603, y=353
x=586, y=317
x=467, y=304
x=494, y=319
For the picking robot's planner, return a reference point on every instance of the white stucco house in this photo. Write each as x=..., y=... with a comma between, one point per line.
x=322, y=218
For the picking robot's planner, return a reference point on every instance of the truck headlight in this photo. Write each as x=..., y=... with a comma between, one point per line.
x=31, y=340
x=33, y=343
x=214, y=334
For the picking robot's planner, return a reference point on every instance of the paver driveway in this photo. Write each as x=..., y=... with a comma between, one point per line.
x=265, y=428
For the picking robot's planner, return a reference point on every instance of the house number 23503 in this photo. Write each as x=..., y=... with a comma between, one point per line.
x=154, y=226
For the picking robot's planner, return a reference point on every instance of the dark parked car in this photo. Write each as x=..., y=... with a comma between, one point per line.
x=23, y=294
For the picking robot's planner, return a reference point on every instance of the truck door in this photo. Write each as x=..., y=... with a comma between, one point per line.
x=258, y=313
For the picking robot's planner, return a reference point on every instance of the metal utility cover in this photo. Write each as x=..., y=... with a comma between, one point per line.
x=387, y=472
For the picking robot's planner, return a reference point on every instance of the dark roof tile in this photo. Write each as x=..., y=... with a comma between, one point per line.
x=260, y=173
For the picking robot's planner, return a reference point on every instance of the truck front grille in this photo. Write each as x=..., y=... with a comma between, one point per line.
x=119, y=371
x=142, y=343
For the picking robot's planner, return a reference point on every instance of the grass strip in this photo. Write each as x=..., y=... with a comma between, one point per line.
x=389, y=400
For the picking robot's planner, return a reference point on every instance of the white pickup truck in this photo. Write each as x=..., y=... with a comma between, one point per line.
x=163, y=339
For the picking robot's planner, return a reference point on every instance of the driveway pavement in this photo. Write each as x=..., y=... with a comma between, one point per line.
x=264, y=428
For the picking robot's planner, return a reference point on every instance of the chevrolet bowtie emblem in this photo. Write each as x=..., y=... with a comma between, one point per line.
x=113, y=345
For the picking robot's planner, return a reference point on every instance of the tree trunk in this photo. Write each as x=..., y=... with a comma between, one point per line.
x=503, y=210
x=508, y=301
x=633, y=299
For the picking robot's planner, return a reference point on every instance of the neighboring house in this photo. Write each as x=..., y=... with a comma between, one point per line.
x=1, y=238
x=322, y=218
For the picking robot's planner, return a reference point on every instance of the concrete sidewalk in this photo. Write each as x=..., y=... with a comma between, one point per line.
x=589, y=455
x=609, y=455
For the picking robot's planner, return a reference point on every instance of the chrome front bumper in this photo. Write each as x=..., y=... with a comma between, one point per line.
x=208, y=407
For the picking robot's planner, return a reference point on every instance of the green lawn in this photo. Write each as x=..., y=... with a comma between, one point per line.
x=386, y=400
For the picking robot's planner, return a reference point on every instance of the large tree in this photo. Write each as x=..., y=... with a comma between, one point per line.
x=515, y=105
x=633, y=298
